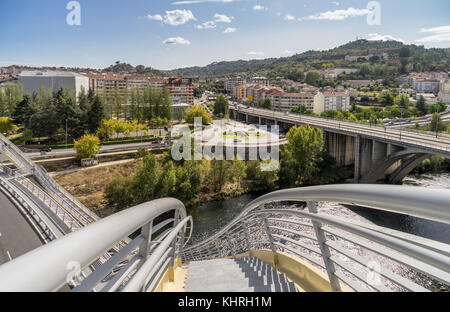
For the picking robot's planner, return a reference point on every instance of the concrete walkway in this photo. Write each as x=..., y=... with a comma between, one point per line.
x=236, y=275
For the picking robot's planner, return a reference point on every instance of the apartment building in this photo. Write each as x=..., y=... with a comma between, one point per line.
x=426, y=85
x=335, y=72
x=230, y=83
x=336, y=101
x=262, y=81
x=181, y=90
x=444, y=91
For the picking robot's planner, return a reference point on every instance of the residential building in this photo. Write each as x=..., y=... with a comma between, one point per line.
x=336, y=101
x=32, y=81
x=262, y=81
x=358, y=83
x=232, y=82
x=426, y=85
x=181, y=90
x=444, y=92
x=430, y=98
x=335, y=72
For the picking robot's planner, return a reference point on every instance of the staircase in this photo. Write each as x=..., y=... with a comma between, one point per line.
x=236, y=275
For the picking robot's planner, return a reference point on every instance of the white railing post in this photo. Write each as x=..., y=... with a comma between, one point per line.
x=321, y=238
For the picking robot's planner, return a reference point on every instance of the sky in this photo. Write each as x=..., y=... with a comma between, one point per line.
x=171, y=34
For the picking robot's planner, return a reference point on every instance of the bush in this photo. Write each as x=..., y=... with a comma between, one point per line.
x=87, y=147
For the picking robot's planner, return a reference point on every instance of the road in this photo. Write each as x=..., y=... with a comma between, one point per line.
x=17, y=236
x=422, y=140
x=69, y=152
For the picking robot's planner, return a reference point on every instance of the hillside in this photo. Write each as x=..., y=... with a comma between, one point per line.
x=402, y=58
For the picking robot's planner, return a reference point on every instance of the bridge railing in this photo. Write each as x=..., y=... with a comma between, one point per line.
x=356, y=127
x=49, y=234
x=158, y=231
x=362, y=256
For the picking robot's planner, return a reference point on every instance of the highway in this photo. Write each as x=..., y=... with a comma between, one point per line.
x=421, y=140
x=70, y=152
x=17, y=236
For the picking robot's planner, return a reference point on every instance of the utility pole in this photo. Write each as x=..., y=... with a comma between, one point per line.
x=66, y=132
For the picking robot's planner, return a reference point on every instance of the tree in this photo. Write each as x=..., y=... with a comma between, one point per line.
x=198, y=111
x=402, y=100
x=220, y=173
x=312, y=78
x=145, y=180
x=238, y=171
x=436, y=124
x=167, y=181
x=221, y=106
x=265, y=103
x=387, y=99
x=95, y=115
x=421, y=105
x=87, y=147
x=7, y=126
x=302, y=156
x=118, y=192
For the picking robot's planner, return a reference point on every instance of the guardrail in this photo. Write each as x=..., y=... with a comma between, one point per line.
x=347, y=251
x=159, y=228
x=442, y=143
x=28, y=207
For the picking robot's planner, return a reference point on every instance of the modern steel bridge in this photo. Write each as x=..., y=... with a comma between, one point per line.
x=269, y=247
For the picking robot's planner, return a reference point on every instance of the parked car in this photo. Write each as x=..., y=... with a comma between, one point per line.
x=46, y=149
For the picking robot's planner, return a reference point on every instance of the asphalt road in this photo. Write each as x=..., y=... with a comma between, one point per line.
x=17, y=236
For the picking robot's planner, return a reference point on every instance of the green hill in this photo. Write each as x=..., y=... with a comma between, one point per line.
x=402, y=59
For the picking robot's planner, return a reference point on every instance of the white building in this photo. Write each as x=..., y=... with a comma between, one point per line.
x=335, y=72
x=336, y=101
x=232, y=82
x=444, y=92
x=32, y=81
x=426, y=85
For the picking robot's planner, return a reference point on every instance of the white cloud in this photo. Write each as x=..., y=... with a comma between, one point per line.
x=221, y=18
x=259, y=8
x=206, y=25
x=255, y=53
x=441, y=33
x=178, y=17
x=177, y=40
x=229, y=30
x=287, y=52
x=338, y=15
x=155, y=17
x=289, y=17
x=204, y=1
x=378, y=37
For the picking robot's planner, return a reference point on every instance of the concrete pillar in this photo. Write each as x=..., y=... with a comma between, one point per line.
x=259, y=120
x=365, y=156
x=246, y=118
x=357, y=158
x=379, y=151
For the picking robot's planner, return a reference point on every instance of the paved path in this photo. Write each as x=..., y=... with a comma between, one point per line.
x=17, y=236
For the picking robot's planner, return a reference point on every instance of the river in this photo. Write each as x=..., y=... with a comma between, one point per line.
x=211, y=217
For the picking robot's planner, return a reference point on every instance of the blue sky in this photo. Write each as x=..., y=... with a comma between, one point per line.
x=167, y=34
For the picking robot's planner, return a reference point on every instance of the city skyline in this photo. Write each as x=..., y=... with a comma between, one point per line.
x=173, y=34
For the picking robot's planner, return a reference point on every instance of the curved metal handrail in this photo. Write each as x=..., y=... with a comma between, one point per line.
x=46, y=268
x=421, y=255
x=432, y=204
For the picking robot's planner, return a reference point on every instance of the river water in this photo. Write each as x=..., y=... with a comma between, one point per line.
x=211, y=217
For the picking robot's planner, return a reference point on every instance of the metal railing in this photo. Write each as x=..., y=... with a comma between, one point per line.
x=363, y=256
x=158, y=228
x=427, y=140
x=354, y=254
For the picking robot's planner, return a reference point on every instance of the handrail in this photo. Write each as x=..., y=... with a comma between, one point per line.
x=433, y=204
x=47, y=266
x=303, y=238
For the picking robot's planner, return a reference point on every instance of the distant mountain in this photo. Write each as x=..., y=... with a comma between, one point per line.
x=404, y=57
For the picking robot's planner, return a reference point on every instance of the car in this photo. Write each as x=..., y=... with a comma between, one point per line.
x=159, y=141
x=46, y=149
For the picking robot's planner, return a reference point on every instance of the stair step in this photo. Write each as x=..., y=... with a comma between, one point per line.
x=246, y=274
